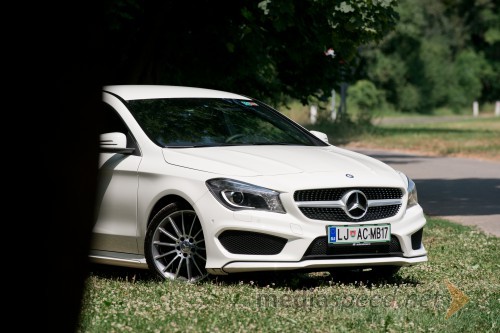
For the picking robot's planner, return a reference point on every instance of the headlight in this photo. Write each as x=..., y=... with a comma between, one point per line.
x=412, y=194
x=237, y=195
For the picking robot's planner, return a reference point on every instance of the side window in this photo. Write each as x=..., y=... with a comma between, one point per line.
x=110, y=121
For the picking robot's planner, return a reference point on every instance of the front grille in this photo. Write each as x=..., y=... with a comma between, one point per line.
x=319, y=249
x=416, y=239
x=246, y=242
x=338, y=213
x=334, y=194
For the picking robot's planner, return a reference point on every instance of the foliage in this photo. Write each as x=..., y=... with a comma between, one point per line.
x=365, y=97
x=468, y=70
x=269, y=50
x=441, y=53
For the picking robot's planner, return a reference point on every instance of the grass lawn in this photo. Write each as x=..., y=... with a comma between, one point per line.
x=415, y=300
x=467, y=137
x=461, y=136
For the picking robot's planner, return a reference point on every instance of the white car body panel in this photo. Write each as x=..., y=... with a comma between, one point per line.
x=116, y=225
x=133, y=92
x=249, y=161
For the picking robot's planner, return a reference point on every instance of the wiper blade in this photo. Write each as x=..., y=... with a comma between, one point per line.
x=178, y=146
x=238, y=144
x=276, y=144
x=205, y=145
x=217, y=145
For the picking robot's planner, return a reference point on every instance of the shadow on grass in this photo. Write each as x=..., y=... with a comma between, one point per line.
x=304, y=280
x=294, y=280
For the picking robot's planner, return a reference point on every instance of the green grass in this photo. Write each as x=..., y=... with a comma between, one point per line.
x=444, y=132
x=464, y=136
x=415, y=300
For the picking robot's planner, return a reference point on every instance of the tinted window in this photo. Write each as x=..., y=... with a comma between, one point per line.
x=212, y=122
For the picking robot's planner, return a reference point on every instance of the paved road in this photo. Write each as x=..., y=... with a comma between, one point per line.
x=462, y=190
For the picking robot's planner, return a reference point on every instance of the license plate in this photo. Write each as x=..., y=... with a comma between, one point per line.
x=353, y=234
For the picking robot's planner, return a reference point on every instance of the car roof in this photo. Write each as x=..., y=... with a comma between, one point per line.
x=131, y=92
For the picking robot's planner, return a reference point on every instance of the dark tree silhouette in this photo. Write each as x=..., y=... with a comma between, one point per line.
x=54, y=89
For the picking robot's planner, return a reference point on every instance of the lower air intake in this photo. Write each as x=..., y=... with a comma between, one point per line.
x=246, y=242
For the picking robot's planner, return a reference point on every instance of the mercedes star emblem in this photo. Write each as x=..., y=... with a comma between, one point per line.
x=356, y=204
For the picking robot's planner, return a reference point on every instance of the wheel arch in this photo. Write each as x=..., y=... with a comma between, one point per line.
x=164, y=201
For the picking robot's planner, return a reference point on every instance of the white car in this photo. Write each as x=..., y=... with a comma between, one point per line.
x=196, y=182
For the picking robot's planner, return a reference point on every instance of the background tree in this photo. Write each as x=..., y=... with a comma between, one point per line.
x=54, y=85
x=268, y=49
x=442, y=53
x=482, y=19
x=365, y=97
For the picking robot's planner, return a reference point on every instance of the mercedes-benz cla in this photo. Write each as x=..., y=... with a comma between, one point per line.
x=196, y=182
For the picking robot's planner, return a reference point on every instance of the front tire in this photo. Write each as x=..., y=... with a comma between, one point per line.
x=175, y=245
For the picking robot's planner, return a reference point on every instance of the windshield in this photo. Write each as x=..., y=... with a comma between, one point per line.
x=204, y=122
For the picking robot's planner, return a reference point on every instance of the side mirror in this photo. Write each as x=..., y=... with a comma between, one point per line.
x=115, y=142
x=320, y=135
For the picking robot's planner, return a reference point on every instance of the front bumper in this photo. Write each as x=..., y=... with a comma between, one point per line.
x=235, y=267
x=298, y=233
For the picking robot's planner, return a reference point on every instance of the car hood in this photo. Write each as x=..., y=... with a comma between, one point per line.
x=251, y=161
